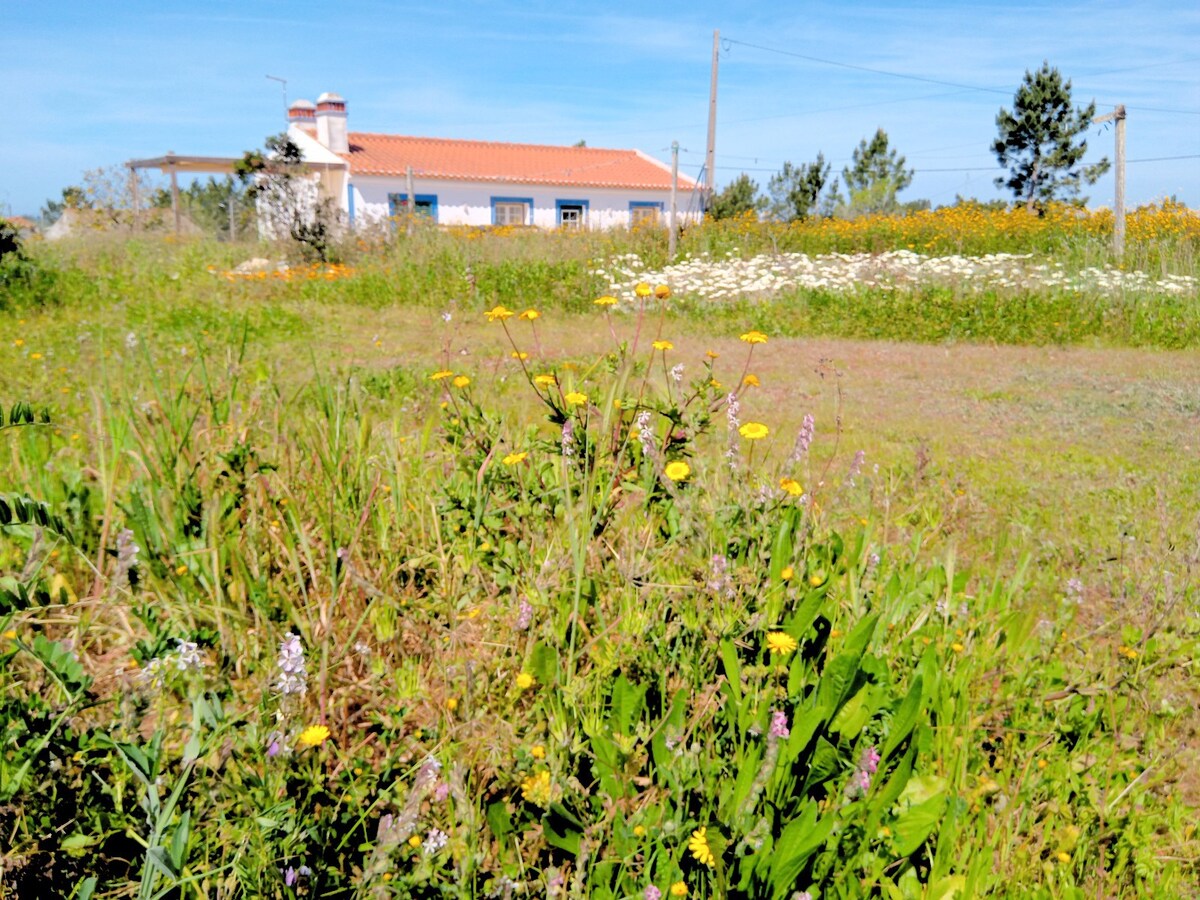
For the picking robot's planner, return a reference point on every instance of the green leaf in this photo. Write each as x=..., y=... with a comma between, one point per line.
x=914, y=825
x=61, y=664
x=626, y=705
x=904, y=720
x=543, y=663
x=562, y=829
x=800, y=839
x=85, y=889
x=499, y=820
x=179, y=841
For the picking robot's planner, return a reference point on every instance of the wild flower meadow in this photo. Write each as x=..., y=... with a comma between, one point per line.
x=557, y=580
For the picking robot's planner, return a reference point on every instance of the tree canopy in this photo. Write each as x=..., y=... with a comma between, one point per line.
x=739, y=197
x=875, y=176
x=798, y=192
x=1040, y=141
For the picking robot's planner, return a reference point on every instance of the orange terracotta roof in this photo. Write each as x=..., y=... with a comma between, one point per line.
x=444, y=158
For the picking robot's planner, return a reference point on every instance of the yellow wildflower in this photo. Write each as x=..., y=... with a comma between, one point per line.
x=537, y=751
x=698, y=847
x=780, y=643
x=545, y=381
x=181, y=569
x=753, y=337
x=498, y=312
x=461, y=381
x=605, y=301
x=792, y=486
x=452, y=703
x=751, y=380
x=711, y=354
x=414, y=841
x=518, y=354
x=576, y=398
x=537, y=788
x=662, y=292
x=313, y=736
x=642, y=289
x=35, y=356
x=639, y=830
x=678, y=470
x=663, y=345
x=524, y=681
x=753, y=431
x=957, y=647
x=513, y=458
x=679, y=889
x=19, y=342
x=788, y=573
x=1063, y=857
x=529, y=315
x=438, y=376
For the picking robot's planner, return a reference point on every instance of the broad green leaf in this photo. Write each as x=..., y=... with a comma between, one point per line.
x=904, y=720
x=800, y=839
x=626, y=705
x=915, y=824
x=499, y=820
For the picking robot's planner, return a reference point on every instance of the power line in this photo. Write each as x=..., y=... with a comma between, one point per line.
x=922, y=78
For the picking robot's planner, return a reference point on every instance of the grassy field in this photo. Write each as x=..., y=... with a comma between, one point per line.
x=345, y=582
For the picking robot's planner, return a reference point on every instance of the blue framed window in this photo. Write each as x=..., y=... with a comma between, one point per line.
x=512, y=210
x=570, y=213
x=645, y=212
x=425, y=205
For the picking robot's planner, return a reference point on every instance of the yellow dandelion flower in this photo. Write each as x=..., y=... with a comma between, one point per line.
x=788, y=573
x=518, y=354
x=677, y=470
x=414, y=841
x=452, y=703
x=751, y=380
x=711, y=354
x=438, y=376
x=957, y=647
x=537, y=751
x=513, y=458
x=662, y=292
x=698, y=847
x=313, y=736
x=19, y=342
x=10, y=635
x=461, y=381
x=499, y=312
x=35, y=356
x=816, y=579
x=663, y=345
x=605, y=301
x=1062, y=856
x=576, y=398
x=780, y=643
x=679, y=889
x=524, y=681
x=181, y=569
x=545, y=381
x=639, y=830
x=642, y=289
x=530, y=314
x=753, y=431
x=792, y=486
x=753, y=337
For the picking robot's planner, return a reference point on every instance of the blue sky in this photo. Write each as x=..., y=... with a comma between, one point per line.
x=93, y=84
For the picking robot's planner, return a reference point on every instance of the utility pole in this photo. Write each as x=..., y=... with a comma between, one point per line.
x=710, y=152
x=674, y=203
x=1118, y=116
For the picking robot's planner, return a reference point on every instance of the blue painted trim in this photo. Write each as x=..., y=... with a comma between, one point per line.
x=559, y=204
x=350, y=201
x=396, y=203
x=528, y=201
x=643, y=204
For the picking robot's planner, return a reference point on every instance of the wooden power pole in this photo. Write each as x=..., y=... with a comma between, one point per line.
x=1118, y=116
x=710, y=152
x=674, y=200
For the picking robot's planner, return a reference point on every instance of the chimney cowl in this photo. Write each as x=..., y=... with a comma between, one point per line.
x=302, y=110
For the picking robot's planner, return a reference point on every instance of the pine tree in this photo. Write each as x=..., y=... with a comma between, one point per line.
x=739, y=197
x=876, y=175
x=796, y=191
x=1039, y=141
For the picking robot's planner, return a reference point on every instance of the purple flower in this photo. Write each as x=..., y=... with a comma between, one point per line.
x=651, y=893
x=290, y=876
x=869, y=762
x=804, y=439
x=524, y=615
x=779, y=725
x=442, y=791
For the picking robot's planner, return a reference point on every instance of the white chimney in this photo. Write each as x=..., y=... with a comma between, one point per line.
x=331, y=123
x=303, y=114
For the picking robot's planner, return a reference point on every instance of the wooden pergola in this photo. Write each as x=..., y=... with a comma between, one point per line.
x=174, y=164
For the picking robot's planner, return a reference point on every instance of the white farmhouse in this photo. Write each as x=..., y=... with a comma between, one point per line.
x=460, y=182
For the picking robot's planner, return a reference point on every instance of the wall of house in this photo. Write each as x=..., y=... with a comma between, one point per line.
x=470, y=203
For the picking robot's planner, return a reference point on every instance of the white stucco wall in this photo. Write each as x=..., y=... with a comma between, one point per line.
x=470, y=203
